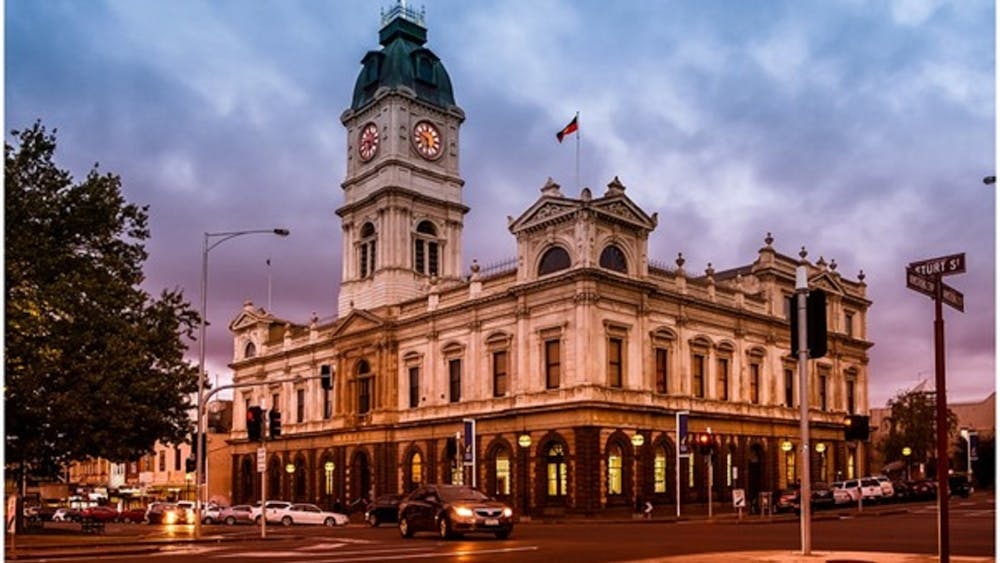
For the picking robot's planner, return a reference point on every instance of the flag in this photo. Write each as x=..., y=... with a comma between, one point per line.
x=569, y=129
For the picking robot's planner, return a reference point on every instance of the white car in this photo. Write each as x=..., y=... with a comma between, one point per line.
x=304, y=513
x=62, y=515
x=870, y=489
x=888, y=491
x=271, y=507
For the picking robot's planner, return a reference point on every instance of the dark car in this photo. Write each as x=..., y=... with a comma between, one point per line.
x=452, y=510
x=786, y=500
x=384, y=509
x=822, y=495
x=100, y=513
x=923, y=489
x=901, y=491
x=136, y=515
x=959, y=485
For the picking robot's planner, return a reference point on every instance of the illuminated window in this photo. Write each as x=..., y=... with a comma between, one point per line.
x=500, y=373
x=555, y=465
x=790, y=467
x=328, y=477
x=416, y=468
x=502, y=465
x=660, y=471
x=614, y=470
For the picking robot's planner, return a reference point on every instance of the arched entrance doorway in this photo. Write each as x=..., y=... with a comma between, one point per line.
x=361, y=476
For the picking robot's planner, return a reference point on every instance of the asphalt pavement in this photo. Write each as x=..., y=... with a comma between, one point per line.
x=61, y=540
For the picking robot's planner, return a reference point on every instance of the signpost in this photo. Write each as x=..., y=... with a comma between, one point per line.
x=925, y=276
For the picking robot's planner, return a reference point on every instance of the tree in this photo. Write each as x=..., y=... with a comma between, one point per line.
x=912, y=423
x=94, y=365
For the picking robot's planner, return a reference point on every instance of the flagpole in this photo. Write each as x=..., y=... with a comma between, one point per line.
x=577, y=118
x=269, y=285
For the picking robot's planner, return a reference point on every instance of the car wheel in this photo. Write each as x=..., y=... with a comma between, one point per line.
x=373, y=520
x=444, y=528
x=329, y=522
x=503, y=534
x=286, y=521
x=230, y=520
x=404, y=527
x=256, y=519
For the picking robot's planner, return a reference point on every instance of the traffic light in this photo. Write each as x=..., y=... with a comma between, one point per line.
x=189, y=465
x=325, y=377
x=856, y=427
x=274, y=423
x=194, y=449
x=255, y=419
x=815, y=324
x=704, y=441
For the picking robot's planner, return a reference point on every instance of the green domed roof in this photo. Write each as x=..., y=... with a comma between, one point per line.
x=403, y=62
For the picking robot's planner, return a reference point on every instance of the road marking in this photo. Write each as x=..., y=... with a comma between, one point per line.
x=420, y=552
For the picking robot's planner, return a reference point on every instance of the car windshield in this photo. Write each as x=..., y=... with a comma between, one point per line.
x=452, y=494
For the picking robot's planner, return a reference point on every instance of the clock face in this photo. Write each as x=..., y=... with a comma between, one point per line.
x=368, y=142
x=427, y=140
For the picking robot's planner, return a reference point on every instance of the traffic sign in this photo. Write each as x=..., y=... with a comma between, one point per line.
x=941, y=266
x=928, y=286
x=261, y=462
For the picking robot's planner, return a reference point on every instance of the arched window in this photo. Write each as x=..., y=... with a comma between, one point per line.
x=366, y=251
x=425, y=249
x=365, y=380
x=502, y=466
x=660, y=470
x=555, y=465
x=612, y=258
x=614, y=470
x=416, y=469
x=554, y=259
x=250, y=350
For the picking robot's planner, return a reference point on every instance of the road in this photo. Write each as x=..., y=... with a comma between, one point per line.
x=908, y=529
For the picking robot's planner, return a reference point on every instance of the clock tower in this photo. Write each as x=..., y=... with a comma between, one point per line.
x=403, y=214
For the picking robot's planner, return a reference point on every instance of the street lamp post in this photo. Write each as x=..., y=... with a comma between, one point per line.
x=906, y=456
x=207, y=246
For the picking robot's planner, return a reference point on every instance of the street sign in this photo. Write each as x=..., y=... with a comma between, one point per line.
x=928, y=286
x=261, y=462
x=942, y=266
x=919, y=283
x=952, y=297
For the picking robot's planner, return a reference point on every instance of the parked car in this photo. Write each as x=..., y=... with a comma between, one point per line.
x=786, y=500
x=133, y=515
x=923, y=489
x=451, y=510
x=239, y=514
x=886, y=484
x=870, y=489
x=211, y=514
x=822, y=495
x=66, y=515
x=100, y=513
x=901, y=491
x=271, y=508
x=384, y=509
x=959, y=485
x=305, y=513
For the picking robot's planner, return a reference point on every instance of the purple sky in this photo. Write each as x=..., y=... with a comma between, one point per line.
x=860, y=130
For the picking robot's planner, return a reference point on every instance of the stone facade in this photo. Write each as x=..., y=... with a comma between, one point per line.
x=563, y=359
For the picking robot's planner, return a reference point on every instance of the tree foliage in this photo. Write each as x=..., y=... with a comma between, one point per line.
x=94, y=365
x=913, y=423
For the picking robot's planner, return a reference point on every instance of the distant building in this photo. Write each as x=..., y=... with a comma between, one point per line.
x=573, y=360
x=162, y=474
x=976, y=416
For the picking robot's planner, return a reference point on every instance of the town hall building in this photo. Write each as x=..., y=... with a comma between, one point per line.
x=553, y=381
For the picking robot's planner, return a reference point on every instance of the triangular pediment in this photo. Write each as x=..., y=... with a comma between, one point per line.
x=358, y=321
x=621, y=208
x=545, y=210
x=826, y=282
x=250, y=317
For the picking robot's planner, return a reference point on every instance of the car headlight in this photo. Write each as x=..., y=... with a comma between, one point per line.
x=507, y=512
x=170, y=518
x=463, y=512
